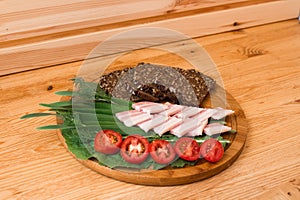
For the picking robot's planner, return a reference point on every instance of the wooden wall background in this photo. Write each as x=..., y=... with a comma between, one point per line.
x=35, y=33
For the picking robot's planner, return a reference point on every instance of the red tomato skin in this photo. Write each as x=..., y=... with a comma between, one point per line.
x=135, y=157
x=162, y=158
x=103, y=144
x=212, y=150
x=187, y=149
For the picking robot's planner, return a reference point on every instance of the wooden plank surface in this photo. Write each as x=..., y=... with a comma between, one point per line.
x=260, y=67
x=35, y=18
x=69, y=46
x=286, y=191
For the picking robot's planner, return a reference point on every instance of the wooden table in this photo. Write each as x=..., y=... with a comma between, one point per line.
x=260, y=67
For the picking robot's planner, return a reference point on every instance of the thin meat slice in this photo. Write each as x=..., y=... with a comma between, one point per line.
x=221, y=113
x=138, y=106
x=155, y=121
x=184, y=110
x=216, y=128
x=140, y=103
x=152, y=109
x=171, y=123
x=136, y=119
x=126, y=114
x=204, y=114
x=199, y=130
x=191, y=111
x=187, y=126
x=173, y=109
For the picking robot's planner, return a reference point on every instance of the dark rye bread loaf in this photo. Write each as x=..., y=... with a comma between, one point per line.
x=148, y=82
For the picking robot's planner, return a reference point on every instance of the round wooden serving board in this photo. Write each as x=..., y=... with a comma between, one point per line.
x=189, y=174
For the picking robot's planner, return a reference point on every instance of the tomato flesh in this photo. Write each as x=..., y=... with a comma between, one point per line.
x=107, y=142
x=212, y=150
x=162, y=151
x=187, y=149
x=135, y=149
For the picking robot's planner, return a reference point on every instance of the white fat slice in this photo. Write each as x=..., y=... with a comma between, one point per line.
x=126, y=114
x=140, y=103
x=190, y=112
x=138, y=106
x=221, y=113
x=152, y=123
x=184, y=110
x=204, y=114
x=173, y=109
x=154, y=108
x=187, y=126
x=136, y=119
x=199, y=130
x=216, y=128
x=171, y=123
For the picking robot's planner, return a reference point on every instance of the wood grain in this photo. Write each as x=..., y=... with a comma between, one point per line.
x=289, y=190
x=189, y=174
x=35, y=19
x=52, y=49
x=35, y=165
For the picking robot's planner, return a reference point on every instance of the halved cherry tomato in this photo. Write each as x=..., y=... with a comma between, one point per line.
x=135, y=149
x=212, y=150
x=108, y=141
x=187, y=149
x=162, y=151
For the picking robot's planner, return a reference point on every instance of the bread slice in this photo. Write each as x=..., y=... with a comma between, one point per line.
x=157, y=83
